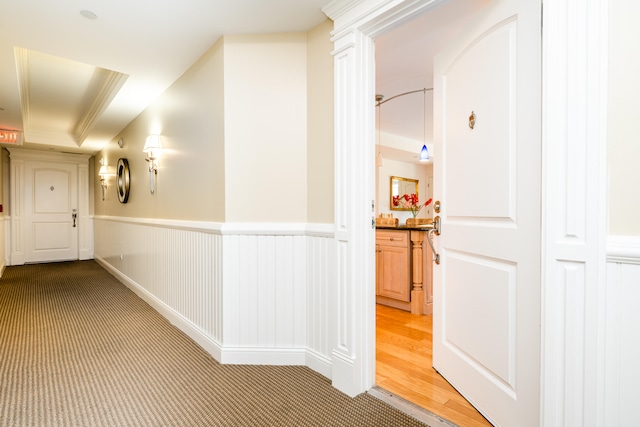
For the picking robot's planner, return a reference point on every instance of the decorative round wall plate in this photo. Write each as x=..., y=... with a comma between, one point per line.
x=123, y=180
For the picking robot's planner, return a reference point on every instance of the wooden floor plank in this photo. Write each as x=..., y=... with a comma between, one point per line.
x=403, y=367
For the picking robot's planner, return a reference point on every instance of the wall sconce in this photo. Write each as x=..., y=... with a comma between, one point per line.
x=104, y=174
x=152, y=148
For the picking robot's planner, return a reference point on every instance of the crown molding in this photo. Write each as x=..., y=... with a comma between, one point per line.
x=109, y=86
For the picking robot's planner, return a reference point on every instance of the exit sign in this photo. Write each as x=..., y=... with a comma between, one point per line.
x=12, y=137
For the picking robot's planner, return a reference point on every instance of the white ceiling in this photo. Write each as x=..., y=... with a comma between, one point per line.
x=72, y=83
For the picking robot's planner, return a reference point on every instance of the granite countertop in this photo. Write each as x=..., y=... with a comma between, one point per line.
x=421, y=227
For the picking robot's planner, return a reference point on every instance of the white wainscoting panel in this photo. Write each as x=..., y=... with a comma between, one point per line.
x=264, y=298
x=275, y=297
x=247, y=293
x=321, y=256
x=175, y=267
x=4, y=227
x=621, y=346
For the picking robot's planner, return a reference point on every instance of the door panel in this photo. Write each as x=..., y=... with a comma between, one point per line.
x=480, y=81
x=475, y=283
x=51, y=235
x=487, y=177
x=51, y=189
x=50, y=201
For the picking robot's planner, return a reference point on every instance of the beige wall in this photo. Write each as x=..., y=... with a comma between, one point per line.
x=266, y=127
x=320, y=118
x=623, y=133
x=189, y=117
x=247, y=135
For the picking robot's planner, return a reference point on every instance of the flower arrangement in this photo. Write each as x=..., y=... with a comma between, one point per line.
x=411, y=202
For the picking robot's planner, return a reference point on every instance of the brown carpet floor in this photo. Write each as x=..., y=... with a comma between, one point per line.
x=78, y=348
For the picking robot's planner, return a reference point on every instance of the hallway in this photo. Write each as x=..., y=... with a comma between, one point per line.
x=78, y=348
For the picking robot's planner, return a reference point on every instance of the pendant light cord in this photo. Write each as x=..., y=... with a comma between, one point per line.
x=424, y=153
x=424, y=90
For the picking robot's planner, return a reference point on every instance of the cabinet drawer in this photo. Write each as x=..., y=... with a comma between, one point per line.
x=392, y=238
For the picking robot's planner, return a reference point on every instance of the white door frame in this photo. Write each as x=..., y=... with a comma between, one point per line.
x=574, y=218
x=16, y=234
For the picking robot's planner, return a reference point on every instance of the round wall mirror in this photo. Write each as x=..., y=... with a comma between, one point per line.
x=123, y=180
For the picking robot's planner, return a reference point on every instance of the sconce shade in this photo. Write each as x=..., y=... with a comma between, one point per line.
x=152, y=146
x=424, y=153
x=103, y=171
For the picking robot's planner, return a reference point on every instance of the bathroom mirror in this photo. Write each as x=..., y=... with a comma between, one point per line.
x=400, y=186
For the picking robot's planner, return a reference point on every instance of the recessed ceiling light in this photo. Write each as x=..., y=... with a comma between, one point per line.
x=88, y=14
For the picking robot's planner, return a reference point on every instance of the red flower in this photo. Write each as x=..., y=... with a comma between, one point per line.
x=411, y=202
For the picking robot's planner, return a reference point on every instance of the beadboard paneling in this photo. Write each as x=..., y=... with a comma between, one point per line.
x=247, y=293
x=621, y=346
x=177, y=270
x=265, y=291
x=320, y=274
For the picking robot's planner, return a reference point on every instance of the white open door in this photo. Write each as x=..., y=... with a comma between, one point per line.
x=487, y=132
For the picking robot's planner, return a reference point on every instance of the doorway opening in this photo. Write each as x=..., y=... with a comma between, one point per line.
x=404, y=62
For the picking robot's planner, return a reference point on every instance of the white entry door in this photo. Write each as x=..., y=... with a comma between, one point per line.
x=487, y=131
x=51, y=211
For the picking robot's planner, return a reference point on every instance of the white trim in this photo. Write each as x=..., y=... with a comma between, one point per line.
x=264, y=229
x=319, y=363
x=238, y=228
x=202, y=226
x=575, y=42
x=623, y=249
x=320, y=230
x=19, y=153
x=7, y=239
x=205, y=341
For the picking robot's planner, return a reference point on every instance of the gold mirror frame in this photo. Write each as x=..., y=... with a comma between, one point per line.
x=399, y=186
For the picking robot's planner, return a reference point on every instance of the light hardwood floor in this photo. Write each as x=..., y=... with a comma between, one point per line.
x=403, y=367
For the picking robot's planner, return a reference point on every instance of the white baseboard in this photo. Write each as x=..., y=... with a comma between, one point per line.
x=226, y=354
x=318, y=363
x=203, y=340
x=262, y=356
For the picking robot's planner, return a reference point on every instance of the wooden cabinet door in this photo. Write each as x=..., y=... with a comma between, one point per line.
x=393, y=265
